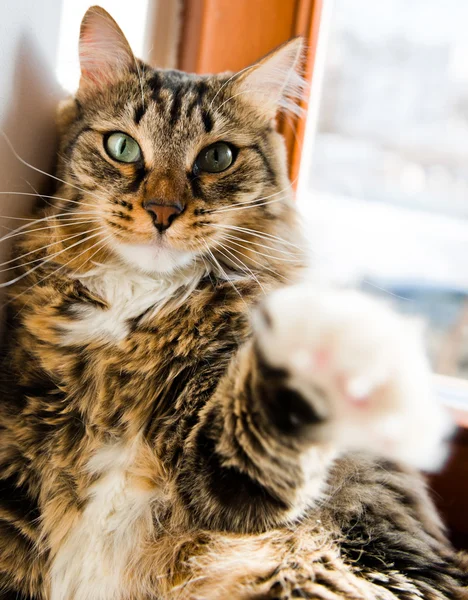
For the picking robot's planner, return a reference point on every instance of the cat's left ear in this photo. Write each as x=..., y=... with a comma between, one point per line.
x=105, y=54
x=274, y=83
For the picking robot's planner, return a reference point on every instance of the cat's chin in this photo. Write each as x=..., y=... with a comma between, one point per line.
x=153, y=259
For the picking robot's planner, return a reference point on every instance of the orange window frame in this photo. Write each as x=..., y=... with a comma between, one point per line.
x=227, y=35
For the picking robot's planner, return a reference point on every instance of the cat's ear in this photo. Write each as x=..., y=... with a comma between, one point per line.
x=274, y=83
x=105, y=53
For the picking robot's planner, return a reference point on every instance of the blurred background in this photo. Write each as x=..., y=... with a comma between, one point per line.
x=384, y=181
x=378, y=161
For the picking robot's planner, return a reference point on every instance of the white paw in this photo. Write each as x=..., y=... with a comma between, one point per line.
x=369, y=361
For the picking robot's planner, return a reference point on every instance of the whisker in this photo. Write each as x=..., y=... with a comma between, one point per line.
x=31, y=219
x=24, y=162
x=68, y=223
x=252, y=243
x=39, y=249
x=240, y=262
x=301, y=254
x=253, y=204
x=262, y=265
x=208, y=269
x=17, y=218
x=36, y=220
x=272, y=195
x=41, y=264
x=223, y=272
x=38, y=195
x=46, y=196
x=54, y=272
x=22, y=228
x=255, y=233
x=278, y=258
x=93, y=254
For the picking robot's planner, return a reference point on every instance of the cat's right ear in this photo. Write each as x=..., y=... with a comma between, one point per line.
x=105, y=53
x=274, y=83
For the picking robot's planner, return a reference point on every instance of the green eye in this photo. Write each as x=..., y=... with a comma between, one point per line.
x=122, y=147
x=215, y=158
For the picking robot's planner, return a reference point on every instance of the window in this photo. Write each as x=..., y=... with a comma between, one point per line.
x=384, y=176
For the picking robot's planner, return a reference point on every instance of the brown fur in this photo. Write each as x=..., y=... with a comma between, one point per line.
x=184, y=394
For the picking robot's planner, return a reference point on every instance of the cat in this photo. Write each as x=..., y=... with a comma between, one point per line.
x=184, y=413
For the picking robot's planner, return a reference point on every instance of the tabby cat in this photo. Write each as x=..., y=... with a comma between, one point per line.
x=182, y=417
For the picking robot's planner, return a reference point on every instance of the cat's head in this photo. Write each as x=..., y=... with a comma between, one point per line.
x=176, y=167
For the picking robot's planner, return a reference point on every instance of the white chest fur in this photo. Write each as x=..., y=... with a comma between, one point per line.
x=128, y=294
x=92, y=562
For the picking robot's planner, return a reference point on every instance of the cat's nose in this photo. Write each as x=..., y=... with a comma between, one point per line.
x=163, y=213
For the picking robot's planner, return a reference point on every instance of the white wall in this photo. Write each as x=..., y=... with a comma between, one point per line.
x=28, y=96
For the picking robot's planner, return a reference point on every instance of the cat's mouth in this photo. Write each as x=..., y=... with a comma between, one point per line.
x=154, y=257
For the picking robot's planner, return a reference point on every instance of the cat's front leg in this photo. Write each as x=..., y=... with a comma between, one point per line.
x=327, y=371
x=360, y=367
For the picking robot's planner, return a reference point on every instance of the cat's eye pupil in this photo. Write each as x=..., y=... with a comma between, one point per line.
x=122, y=147
x=215, y=158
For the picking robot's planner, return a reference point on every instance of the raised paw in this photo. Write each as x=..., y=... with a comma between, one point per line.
x=361, y=366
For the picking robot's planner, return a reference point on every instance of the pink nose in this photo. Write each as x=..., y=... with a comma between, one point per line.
x=163, y=214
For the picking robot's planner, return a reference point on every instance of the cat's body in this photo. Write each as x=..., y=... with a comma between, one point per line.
x=157, y=441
